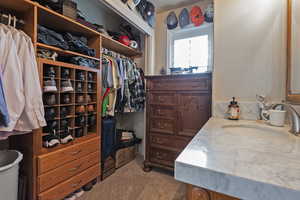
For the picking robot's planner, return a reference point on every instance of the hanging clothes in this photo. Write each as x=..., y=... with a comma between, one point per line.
x=21, y=83
x=127, y=92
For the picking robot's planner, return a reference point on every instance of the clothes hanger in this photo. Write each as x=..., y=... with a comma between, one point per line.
x=14, y=22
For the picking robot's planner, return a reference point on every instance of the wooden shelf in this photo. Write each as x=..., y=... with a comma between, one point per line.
x=64, y=52
x=118, y=47
x=17, y=5
x=59, y=22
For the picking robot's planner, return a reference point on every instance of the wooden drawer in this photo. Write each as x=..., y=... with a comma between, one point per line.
x=162, y=112
x=168, y=142
x=162, y=125
x=202, y=84
x=67, y=171
x=58, y=158
x=164, y=157
x=62, y=190
x=162, y=98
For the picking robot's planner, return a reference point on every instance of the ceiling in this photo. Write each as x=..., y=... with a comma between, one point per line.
x=163, y=5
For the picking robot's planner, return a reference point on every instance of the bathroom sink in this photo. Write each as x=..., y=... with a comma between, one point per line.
x=260, y=137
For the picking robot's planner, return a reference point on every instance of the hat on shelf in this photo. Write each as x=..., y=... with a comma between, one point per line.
x=196, y=15
x=133, y=3
x=184, y=18
x=172, y=20
x=209, y=13
x=124, y=39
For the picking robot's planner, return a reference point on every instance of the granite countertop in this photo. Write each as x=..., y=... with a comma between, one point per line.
x=244, y=162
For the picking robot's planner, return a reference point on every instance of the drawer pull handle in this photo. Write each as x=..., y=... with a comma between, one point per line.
x=158, y=141
x=159, y=156
x=75, y=153
x=75, y=168
x=76, y=184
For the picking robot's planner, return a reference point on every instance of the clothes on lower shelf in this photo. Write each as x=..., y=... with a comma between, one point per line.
x=21, y=85
x=124, y=86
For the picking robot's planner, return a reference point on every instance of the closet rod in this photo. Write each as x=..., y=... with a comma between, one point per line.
x=113, y=54
x=7, y=16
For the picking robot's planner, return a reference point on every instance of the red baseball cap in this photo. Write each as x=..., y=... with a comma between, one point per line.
x=124, y=40
x=197, y=17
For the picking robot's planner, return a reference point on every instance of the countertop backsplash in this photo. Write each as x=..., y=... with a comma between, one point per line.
x=248, y=110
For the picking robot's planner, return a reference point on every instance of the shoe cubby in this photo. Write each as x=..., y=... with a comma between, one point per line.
x=72, y=101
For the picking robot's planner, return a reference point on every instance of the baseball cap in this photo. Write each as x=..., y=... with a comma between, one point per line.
x=172, y=20
x=196, y=15
x=184, y=18
x=209, y=13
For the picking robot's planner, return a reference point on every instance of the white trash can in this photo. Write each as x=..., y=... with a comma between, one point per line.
x=9, y=174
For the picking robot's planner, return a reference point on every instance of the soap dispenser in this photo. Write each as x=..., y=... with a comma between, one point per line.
x=233, y=110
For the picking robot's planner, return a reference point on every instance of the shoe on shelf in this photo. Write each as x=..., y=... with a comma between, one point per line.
x=80, y=121
x=90, y=76
x=80, y=110
x=79, y=87
x=51, y=140
x=64, y=112
x=50, y=99
x=78, y=193
x=50, y=114
x=65, y=73
x=80, y=76
x=79, y=133
x=50, y=86
x=66, y=99
x=89, y=98
x=92, y=120
x=80, y=99
x=91, y=108
x=90, y=87
x=66, y=86
x=66, y=136
x=50, y=72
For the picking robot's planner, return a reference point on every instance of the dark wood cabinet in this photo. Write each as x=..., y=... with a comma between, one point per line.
x=177, y=108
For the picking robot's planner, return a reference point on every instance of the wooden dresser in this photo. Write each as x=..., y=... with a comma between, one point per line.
x=177, y=107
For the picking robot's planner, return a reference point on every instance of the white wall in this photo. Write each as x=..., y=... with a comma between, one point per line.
x=161, y=35
x=250, y=49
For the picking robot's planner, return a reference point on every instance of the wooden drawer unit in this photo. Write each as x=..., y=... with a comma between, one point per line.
x=181, y=84
x=58, y=158
x=162, y=125
x=168, y=142
x=177, y=108
x=62, y=190
x=163, y=156
x=162, y=98
x=165, y=112
x=67, y=171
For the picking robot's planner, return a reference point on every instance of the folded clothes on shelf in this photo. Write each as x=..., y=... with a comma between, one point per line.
x=65, y=41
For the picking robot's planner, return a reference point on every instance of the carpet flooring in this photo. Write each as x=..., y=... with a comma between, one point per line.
x=132, y=183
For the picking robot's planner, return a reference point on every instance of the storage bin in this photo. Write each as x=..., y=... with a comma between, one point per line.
x=9, y=174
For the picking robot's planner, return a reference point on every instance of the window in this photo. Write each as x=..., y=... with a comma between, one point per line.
x=191, y=47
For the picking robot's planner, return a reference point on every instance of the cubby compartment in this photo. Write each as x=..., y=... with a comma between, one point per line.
x=91, y=88
x=50, y=99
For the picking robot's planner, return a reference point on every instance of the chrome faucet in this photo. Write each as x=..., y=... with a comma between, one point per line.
x=295, y=117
